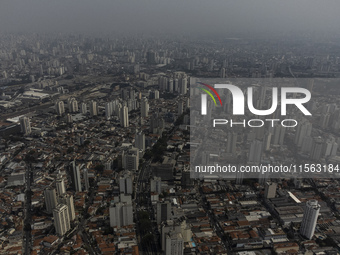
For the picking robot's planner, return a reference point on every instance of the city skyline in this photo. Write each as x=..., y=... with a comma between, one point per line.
x=119, y=133
x=219, y=18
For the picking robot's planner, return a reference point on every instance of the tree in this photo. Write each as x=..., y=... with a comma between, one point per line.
x=27, y=227
x=145, y=225
x=143, y=215
x=148, y=238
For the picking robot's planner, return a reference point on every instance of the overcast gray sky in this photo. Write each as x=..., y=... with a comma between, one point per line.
x=174, y=16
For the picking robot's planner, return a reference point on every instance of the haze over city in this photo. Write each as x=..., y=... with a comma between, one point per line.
x=193, y=17
x=120, y=132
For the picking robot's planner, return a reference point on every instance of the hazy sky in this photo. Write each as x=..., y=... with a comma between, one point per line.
x=175, y=16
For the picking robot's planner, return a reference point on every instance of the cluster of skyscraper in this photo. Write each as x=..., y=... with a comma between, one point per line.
x=315, y=146
x=176, y=84
x=121, y=210
x=61, y=204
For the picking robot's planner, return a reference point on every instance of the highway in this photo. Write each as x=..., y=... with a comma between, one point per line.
x=142, y=194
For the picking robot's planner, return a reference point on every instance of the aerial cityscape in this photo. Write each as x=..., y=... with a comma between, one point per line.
x=106, y=147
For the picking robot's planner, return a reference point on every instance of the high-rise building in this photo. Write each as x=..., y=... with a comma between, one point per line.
x=124, y=116
x=267, y=141
x=83, y=108
x=69, y=118
x=327, y=148
x=157, y=123
x=60, y=184
x=108, y=165
x=140, y=141
x=255, y=152
x=156, y=94
x=125, y=182
x=121, y=214
x=324, y=121
x=144, y=107
x=60, y=108
x=174, y=227
x=184, y=83
x=156, y=185
x=163, y=211
x=50, y=199
x=176, y=85
x=115, y=107
x=222, y=72
x=303, y=129
x=132, y=104
x=334, y=149
x=25, y=125
x=67, y=199
x=316, y=151
x=231, y=143
x=75, y=177
x=163, y=83
x=108, y=110
x=81, y=139
x=72, y=104
x=310, y=218
x=61, y=219
x=171, y=85
x=270, y=190
x=174, y=244
x=130, y=159
x=279, y=133
x=331, y=147
x=86, y=179
x=93, y=108
x=239, y=177
x=180, y=107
